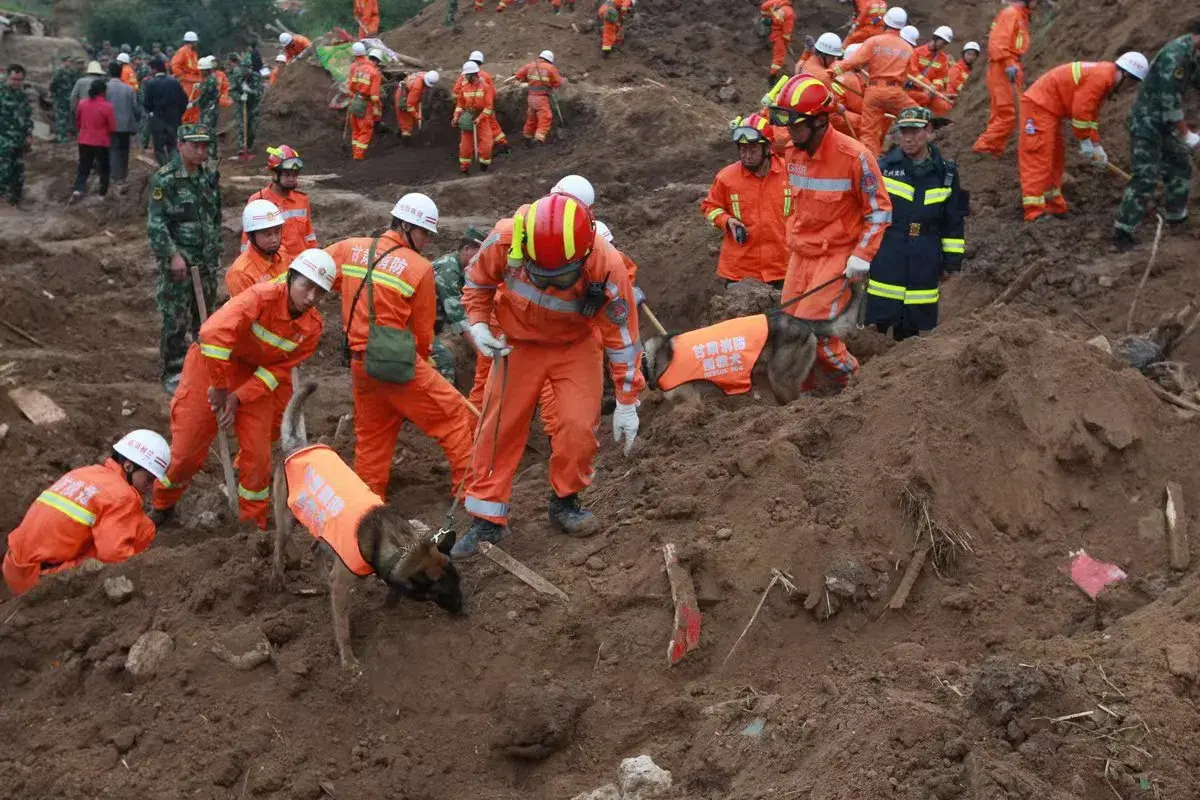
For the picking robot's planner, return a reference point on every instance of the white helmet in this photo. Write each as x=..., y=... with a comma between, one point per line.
x=316, y=265
x=265, y=72
x=417, y=208
x=376, y=54
x=431, y=77
x=476, y=56
x=1135, y=64
x=123, y=58
x=258, y=215
x=470, y=68
x=972, y=46
x=147, y=449
x=191, y=36
x=945, y=34
x=603, y=232
x=285, y=39
x=547, y=55
x=910, y=34
x=281, y=58
x=578, y=187
x=358, y=49
x=896, y=17
x=208, y=62
x=852, y=49
x=829, y=44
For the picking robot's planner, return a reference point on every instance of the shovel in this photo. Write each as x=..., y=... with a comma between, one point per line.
x=222, y=438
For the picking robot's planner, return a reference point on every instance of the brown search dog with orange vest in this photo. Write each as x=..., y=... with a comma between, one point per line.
x=775, y=351
x=363, y=534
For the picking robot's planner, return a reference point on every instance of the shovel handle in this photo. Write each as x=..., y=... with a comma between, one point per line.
x=653, y=320
x=222, y=438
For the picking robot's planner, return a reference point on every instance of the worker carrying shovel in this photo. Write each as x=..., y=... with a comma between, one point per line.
x=474, y=100
x=542, y=78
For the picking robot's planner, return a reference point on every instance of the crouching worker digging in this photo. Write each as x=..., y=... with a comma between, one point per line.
x=366, y=536
x=93, y=512
x=246, y=350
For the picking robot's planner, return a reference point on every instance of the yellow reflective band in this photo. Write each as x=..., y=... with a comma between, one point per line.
x=569, y=230
x=1033, y=201
x=286, y=345
x=737, y=206
x=266, y=377
x=279, y=279
x=1077, y=71
x=1084, y=124
x=787, y=201
x=246, y=494
x=530, y=216
x=899, y=188
x=920, y=297
x=838, y=88
x=888, y=291
x=68, y=507
x=712, y=215
x=380, y=278
x=934, y=196
x=215, y=351
x=954, y=245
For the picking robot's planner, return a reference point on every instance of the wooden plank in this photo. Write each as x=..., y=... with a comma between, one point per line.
x=909, y=579
x=328, y=176
x=1022, y=283
x=1177, y=527
x=685, y=637
x=37, y=407
x=524, y=573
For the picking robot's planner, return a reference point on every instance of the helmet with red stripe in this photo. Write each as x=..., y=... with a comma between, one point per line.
x=803, y=96
x=283, y=157
x=553, y=237
x=752, y=128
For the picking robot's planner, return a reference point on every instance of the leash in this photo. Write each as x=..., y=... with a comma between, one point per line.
x=812, y=291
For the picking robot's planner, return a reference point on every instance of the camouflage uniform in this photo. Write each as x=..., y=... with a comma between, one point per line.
x=451, y=316
x=209, y=104
x=1157, y=150
x=245, y=75
x=61, y=84
x=16, y=126
x=143, y=72
x=451, y=12
x=184, y=218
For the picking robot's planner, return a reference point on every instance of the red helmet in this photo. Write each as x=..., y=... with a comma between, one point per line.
x=752, y=128
x=283, y=157
x=554, y=236
x=803, y=96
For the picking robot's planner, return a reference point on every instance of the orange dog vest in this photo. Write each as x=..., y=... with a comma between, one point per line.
x=723, y=354
x=330, y=500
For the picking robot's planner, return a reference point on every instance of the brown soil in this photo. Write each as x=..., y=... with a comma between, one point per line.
x=1011, y=429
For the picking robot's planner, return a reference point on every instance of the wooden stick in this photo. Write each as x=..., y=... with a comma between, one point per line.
x=909, y=579
x=222, y=437
x=1177, y=527
x=1020, y=284
x=923, y=85
x=653, y=320
x=685, y=636
x=1120, y=173
x=1145, y=274
x=1170, y=398
x=524, y=573
x=754, y=616
x=20, y=332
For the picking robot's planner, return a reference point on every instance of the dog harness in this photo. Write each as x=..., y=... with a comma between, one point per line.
x=330, y=500
x=723, y=354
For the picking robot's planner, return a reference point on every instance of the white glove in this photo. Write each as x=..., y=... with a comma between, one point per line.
x=486, y=343
x=625, y=424
x=1192, y=140
x=1093, y=152
x=856, y=268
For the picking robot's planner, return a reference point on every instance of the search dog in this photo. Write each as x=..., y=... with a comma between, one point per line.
x=398, y=551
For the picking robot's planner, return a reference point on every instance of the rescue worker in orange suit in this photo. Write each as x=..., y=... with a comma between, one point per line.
x=542, y=78
x=185, y=64
x=956, y=78
x=225, y=101
x=366, y=13
x=612, y=15
x=499, y=138
x=94, y=512
x=1074, y=92
x=849, y=89
x=409, y=94
x=128, y=74
x=822, y=54
x=285, y=165
x=1007, y=44
x=365, y=106
x=749, y=202
x=246, y=349
x=264, y=258
x=561, y=283
x=925, y=241
x=931, y=64
x=840, y=213
x=280, y=60
x=783, y=21
x=886, y=58
x=474, y=103
x=401, y=297
x=294, y=44
x=868, y=22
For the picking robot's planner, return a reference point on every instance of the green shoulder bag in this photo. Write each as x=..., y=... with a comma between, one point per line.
x=391, y=354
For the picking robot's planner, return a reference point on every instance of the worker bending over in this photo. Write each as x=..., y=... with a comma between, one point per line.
x=409, y=94
x=542, y=78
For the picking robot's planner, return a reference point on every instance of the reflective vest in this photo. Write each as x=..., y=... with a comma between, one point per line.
x=330, y=500
x=723, y=354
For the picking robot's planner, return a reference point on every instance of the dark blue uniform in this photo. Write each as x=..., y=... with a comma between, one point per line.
x=924, y=241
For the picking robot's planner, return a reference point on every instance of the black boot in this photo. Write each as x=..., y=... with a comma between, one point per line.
x=571, y=518
x=1124, y=240
x=481, y=530
x=484, y=167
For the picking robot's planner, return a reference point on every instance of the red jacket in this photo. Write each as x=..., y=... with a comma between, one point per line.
x=95, y=122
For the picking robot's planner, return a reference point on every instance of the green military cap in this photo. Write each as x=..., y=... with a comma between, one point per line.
x=194, y=133
x=473, y=234
x=914, y=117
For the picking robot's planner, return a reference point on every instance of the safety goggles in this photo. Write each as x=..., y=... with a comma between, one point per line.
x=785, y=116
x=290, y=164
x=562, y=278
x=747, y=135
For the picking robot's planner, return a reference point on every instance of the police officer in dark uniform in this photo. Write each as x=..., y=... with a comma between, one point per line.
x=925, y=241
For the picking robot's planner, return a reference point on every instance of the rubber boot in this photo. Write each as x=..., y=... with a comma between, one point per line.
x=569, y=517
x=481, y=530
x=484, y=167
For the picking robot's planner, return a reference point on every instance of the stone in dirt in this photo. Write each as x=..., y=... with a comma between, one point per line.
x=148, y=653
x=245, y=647
x=1182, y=662
x=1004, y=689
x=536, y=720
x=608, y=791
x=118, y=589
x=124, y=739
x=641, y=779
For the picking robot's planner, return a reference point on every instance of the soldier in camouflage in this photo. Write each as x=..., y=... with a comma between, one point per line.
x=61, y=84
x=245, y=84
x=1162, y=144
x=16, y=133
x=451, y=316
x=208, y=100
x=184, y=227
x=141, y=68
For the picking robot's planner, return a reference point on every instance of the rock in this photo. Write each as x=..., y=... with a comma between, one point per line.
x=578, y=559
x=677, y=507
x=608, y=791
x=207, y=520
x=956, y=749
x=124, y=739
x=728, y=94
x=595, y=564
x=118, y=589
x=245, y=647
x=225, y=771
x=958, y=601
x=725, y=534
x=536, y=719
x=266, y=778
x=148, y=653
x=641, y=779
x=1004, y=689
x=1182, y=662
x=1101, y=342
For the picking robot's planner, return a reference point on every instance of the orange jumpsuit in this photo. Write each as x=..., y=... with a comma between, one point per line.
x=552, y=342
x=1007, y=43
x=129, y=76
x=408, y=103
x=783, y=20
x=479, y=98
x=610, y=32
x=542, y=78
x=405, y=298
x=1074, y=91
x=932, y=68
x=367, y=14
x=364, y=80
x=91, y=512
x=329, y=501
x=886, y=58
x=298, y=45
x=499, y=138
x=842, y=209
x=868, y=23
x=849, y=89
x=185, y=66
x=225, y=100
x=274, y=76
x=763, y=205
x=813, y=66
x=956, y=79
x=298, y=234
